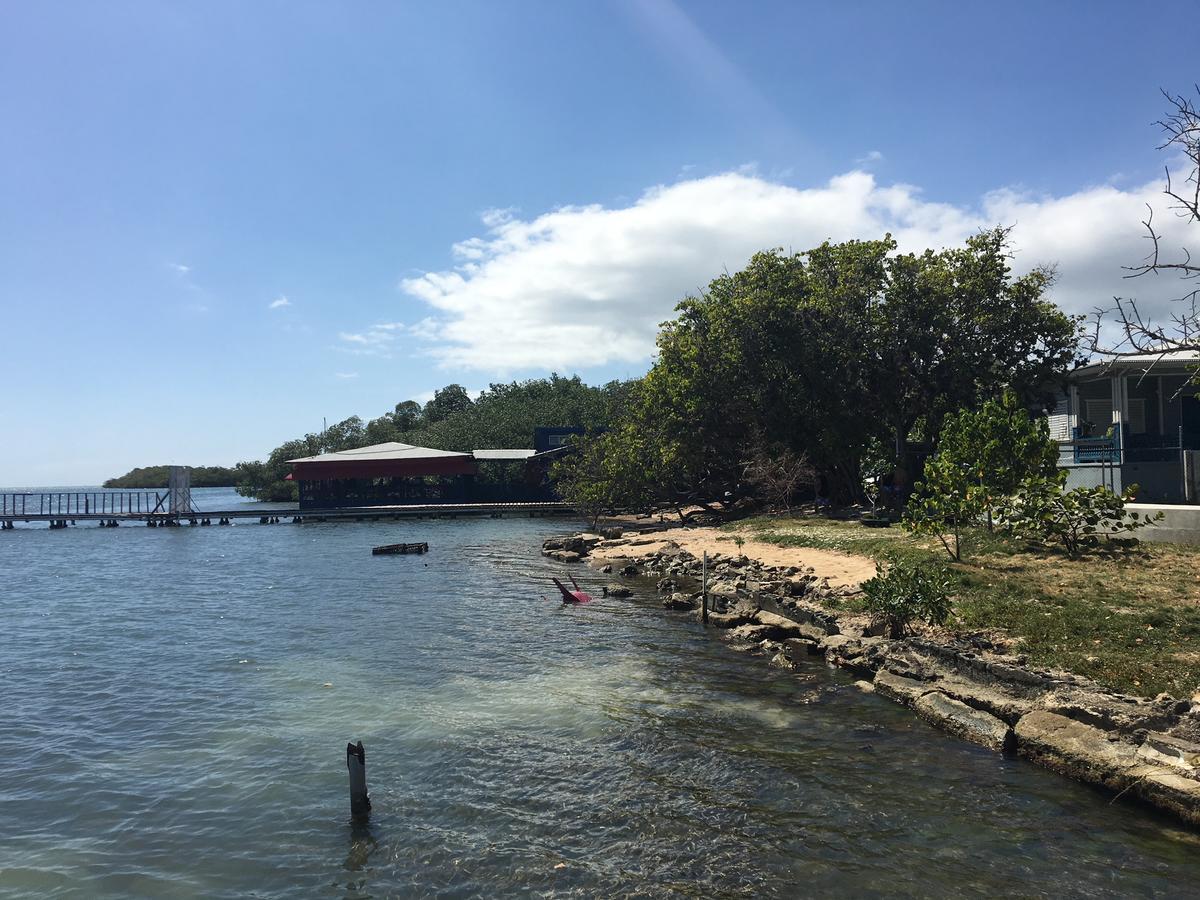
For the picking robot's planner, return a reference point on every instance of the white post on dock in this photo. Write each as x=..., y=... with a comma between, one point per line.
x=356, y=763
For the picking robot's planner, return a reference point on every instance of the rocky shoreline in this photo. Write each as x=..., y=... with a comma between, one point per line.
x=1133, y=746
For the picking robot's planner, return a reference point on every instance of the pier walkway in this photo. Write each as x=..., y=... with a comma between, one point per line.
x=155, y=508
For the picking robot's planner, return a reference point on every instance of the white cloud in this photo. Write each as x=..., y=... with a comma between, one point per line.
x=279, y=302
x=374, y=341
x=588, y=285
x=179, y=267
x=345, y=375
x=873, y=156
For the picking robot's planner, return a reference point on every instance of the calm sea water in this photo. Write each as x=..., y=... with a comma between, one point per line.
x=175, y=704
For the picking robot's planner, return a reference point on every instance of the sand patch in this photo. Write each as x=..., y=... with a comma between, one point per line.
x=842, y=569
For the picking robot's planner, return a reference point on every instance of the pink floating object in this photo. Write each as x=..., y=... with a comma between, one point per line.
x=569, y=596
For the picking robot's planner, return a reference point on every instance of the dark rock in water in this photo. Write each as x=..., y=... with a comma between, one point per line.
x=629, y=571
x=679, y=601
x=666, y=585
x=617, y=590
x=552, y=544
x=606, y=569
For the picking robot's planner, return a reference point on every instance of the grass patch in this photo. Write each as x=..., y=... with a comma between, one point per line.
x=1129, y=617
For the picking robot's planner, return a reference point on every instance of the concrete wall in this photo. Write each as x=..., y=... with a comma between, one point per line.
x=1179, y=525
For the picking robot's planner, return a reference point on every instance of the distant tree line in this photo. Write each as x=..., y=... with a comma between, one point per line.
x=156, y=477
x=503, y=416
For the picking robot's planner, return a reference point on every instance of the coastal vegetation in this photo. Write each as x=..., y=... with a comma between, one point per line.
x=156, y=477
x=1127, y=616
x=844, y=356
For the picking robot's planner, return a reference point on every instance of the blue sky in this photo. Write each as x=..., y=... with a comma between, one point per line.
x=220, y=222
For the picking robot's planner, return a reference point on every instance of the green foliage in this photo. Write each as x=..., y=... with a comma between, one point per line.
x=983, y=457
x=946, y=503
x=1077, y=520
x=903, y=592
x=157, y=476
x=831, y=353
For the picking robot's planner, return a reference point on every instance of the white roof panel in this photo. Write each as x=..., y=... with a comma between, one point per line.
x=388, y=450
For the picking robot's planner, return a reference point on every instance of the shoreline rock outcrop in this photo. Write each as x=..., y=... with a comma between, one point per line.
x=1138, y=747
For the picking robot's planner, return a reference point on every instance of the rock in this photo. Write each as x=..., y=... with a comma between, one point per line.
x=1090, y=754
x=617, y=590
x=567, y=556
x=752, y=633
x=679, y=601
x=798, y=587
x=898, y=688
x=866, y=687
x=552, y=544
x=991, y=699
x=782, y=661
x=722, y=590
x=612, y=533
x=1112, y=712
x=798, y=647
x=727, y=620
x=1166, y=749
x=629, y=571
x=782, y=625
x=606, y=569
x=965, y=722
x=666, y=585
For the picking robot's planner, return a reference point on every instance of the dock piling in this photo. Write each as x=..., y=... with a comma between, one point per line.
x=356, y=763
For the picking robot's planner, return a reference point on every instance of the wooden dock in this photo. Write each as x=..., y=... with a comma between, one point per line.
x=151, y=508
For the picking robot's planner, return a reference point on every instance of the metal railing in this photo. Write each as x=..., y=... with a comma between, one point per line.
x=66, y=504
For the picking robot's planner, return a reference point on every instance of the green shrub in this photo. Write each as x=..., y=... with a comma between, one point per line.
x=983, y=456
x=904, y=592
x=1076, y=519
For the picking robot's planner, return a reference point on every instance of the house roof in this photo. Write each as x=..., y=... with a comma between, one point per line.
x=503, y=454
x=378, y=460
x=387, y=450
x=1168, y=360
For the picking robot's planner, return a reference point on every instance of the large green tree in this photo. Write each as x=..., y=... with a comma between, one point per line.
x=838, y=349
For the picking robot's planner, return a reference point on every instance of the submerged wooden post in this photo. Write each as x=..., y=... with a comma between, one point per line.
x=704, y=589
x=356, y=762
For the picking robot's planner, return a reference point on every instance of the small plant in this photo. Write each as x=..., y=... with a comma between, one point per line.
x=904, y=592
x=740, y=541
x=1076, y=519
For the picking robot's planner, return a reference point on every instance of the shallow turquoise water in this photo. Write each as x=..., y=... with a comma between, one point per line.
x=175, y=703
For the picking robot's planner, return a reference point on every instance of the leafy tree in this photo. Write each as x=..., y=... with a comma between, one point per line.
x=955, y=328
x=1001, y=446
x=904, y=592
x=948, y=501
x=1076, y=519
x=826, y=353
x=583, y=480
x=407, y=415
x=983, y=458
x=451, y=399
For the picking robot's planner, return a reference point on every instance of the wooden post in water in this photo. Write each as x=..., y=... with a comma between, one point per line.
x=704, y=589
x=356, y=763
